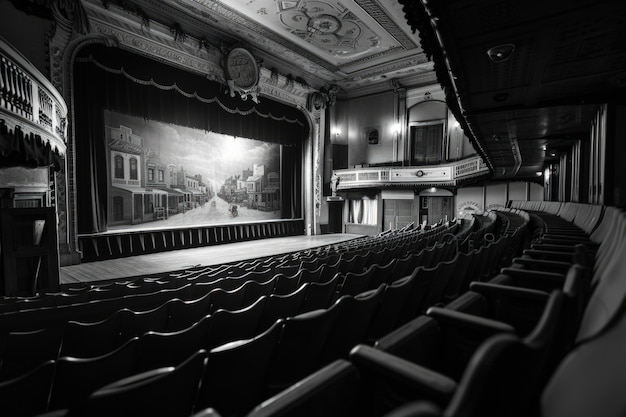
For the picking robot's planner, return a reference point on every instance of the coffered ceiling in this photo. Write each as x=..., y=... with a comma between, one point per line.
x=359, y=45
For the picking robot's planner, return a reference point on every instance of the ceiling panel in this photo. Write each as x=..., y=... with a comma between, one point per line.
x=566, y=57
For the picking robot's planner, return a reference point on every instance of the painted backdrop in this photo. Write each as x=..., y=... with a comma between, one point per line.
x=164, y=175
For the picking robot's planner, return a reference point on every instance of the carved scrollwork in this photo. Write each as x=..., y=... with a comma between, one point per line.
x=325, y=97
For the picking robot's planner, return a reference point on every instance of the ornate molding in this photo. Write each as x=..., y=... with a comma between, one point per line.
x=451, y=174
x=193, y=54
x=162, y=48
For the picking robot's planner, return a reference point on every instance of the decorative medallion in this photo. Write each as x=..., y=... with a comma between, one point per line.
x=242, y=73
x=324, y=24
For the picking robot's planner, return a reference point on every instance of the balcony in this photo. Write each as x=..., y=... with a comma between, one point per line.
x=29, y=103
x=450, y=174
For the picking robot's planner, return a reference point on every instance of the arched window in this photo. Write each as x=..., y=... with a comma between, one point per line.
x=119, y=166
x=133, y=169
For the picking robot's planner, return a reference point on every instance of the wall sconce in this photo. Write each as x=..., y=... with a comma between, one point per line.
x=335, y=132
x=396, y=128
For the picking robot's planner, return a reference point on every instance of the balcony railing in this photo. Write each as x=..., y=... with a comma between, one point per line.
x=450, y=174
x=28, y=101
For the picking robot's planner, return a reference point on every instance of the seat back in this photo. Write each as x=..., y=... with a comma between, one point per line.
x=27, y=394
x=590, y=379
x=281, y=306
x=381, y=274
x=609, y=293
x=227, y=299
x=185, y=313
x=87, y=340
x=236, y=373
x=419, y=289
x=168, y=392
x=392, y=302
x=300, y=347
x=77, y=378
x=21, y=352
x=354, y=283
x=227, y=325
x=162, y=349
x=286, y=284
x=319, y=294
x=352, y=324
x=253, y=290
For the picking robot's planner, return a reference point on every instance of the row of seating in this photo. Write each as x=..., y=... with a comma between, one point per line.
x=259, y=268
x=20, y=349
x=543, y=338
x=104, y=299
x=401, y=288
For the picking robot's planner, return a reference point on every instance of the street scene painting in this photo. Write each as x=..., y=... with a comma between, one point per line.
x=165, y=175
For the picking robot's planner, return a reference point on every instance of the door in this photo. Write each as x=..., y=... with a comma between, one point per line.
x=397, y=214
x=440, y=209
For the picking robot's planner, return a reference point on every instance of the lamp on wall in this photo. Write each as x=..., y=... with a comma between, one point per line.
x=335, y=132
x=396, y=128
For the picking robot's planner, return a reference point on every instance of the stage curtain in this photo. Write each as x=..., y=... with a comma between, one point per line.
x=116, y=80
x=291, y=182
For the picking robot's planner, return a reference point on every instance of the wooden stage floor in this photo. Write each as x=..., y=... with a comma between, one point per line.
x=161, y=262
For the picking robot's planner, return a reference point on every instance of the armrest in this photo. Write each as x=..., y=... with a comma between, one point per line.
x=489, y=289
x=384, y=366
x=565, y=236
x=480, y=326
x=542, y=264
x=550, y=255
x=556, y=248
x=517, y=306
x=540, y=280
x=416, y=339
x=207, y=412
x=334, y=386
x=417, y=409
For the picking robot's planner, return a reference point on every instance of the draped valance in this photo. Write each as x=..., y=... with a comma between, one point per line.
x=117, y=78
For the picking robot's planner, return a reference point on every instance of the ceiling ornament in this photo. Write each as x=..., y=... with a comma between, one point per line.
x=330, y=27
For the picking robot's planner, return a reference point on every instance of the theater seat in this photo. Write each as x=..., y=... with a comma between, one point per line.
x=300, y=347
x=236, y=373
x=27, y=394
x=329, y=392
x=167, y=391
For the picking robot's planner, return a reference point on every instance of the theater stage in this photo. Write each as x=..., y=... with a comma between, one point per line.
x=155, y=263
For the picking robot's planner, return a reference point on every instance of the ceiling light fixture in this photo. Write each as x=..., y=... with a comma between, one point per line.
x=501, y=53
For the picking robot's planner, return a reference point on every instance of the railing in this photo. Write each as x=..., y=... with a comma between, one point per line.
x=431, y=175
x=28, y=101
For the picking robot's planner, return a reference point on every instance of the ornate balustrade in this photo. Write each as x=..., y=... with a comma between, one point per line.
x=450, y=174
x=28, y=101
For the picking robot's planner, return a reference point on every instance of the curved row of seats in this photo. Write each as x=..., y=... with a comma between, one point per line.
x=365, y=245
x=399, y=289
x=95, y=301
x=306, y=342
x=381, y=325
x=545, y=337
x=315, y=290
